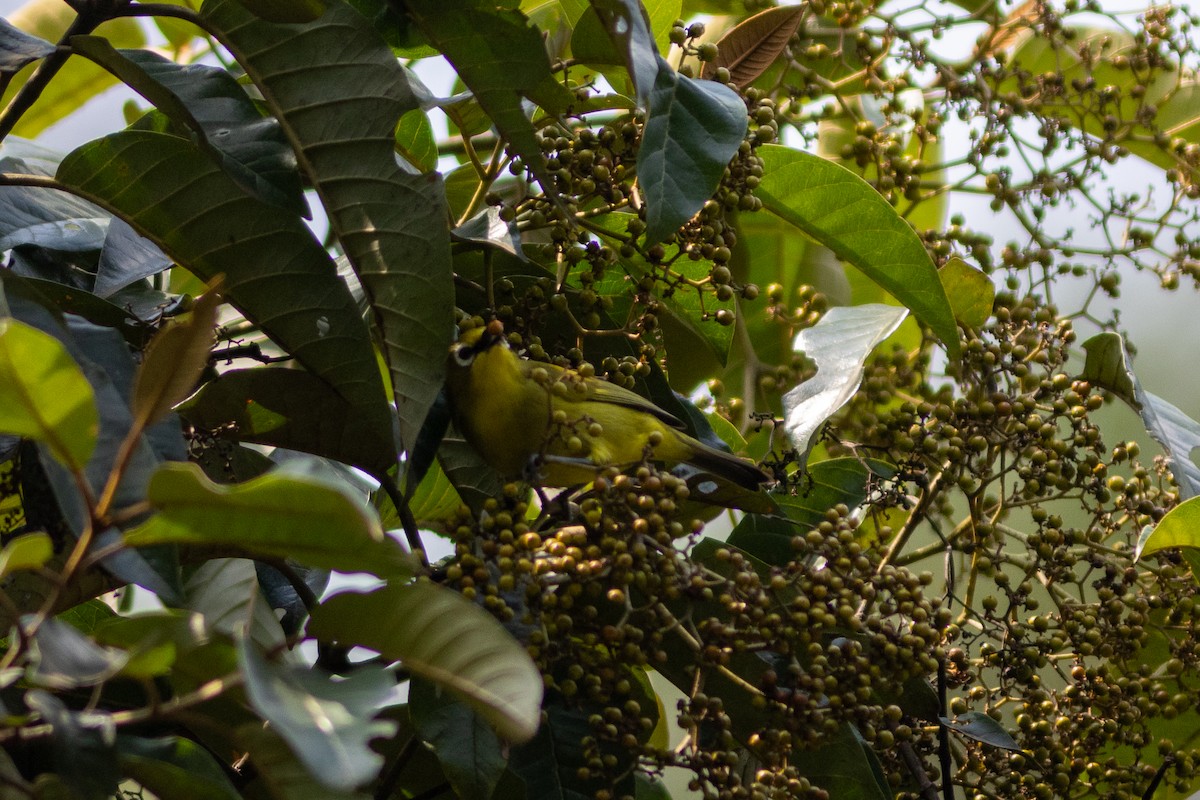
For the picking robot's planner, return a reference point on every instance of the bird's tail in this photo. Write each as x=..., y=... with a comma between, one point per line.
x=743, y=472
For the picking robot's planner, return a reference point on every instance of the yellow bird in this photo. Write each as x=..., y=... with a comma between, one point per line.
x=520, y=414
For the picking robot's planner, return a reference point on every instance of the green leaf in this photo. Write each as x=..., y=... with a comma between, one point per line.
x=275, y=270
x=286, y=10
x=981, y=728
x=209, y=102
x=226, y=593
x=173, y=362
x=18, y=48
x=174, y=767
x=274, y=516
x=327, y=724
x=693, y=128
x=153, y=642
x=280, y=773
x=827, y=484
x=471, y=755
x=841, y=211
x=415, y=142
x=840, y=344
x=340, y=107
x=650, y=788
x=30, y=551
x=844, y=767
x=292, y=409
x=1108, y=366
x=43, y=394
x=751, y=47
x=64, y=658
x=1177, y=529
x=501, y=59
x=444, y=638
x=969, y=291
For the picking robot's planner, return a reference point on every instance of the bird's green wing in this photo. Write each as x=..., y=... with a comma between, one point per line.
x=606, y=392
x=603, y=391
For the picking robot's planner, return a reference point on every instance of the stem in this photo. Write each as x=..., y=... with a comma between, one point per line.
x=45, y=72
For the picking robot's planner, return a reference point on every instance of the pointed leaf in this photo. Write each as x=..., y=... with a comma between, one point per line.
x=751, y=47
x=63, y=658
x=18, y=48
x=275, y=270
x=415, y=142
x=982, y=728
x=471, y=755
x=225, y=592
x=693, y=128
x=489, y=229
x=328, y=725
x=1108, y=366
x=126, y=258
x=272, y=516
x=445, y=638
x=841, y=211
x=1177, y=529
x=501, y=59
x=43, y=395
x=173, y=361
x=340, y=106
x=844, y=766
x=839, y=344
x=208, y=101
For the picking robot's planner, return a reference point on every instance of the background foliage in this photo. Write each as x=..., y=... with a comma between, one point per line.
x=222, y=341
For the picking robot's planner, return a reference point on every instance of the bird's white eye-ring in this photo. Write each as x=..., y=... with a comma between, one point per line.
x=464, y=355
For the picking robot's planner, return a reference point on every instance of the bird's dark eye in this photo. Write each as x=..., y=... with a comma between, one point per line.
x=464, y=355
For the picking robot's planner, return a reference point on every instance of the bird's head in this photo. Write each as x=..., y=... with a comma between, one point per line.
x=474, y=341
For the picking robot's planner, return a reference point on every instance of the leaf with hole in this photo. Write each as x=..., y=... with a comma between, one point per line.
x=341, y=106
x=209, y=102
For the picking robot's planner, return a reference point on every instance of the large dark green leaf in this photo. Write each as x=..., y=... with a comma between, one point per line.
x=327, y=724
x=208, y=101
x=501, y=59
x=82, y=752
x=841, y=211
x=275, y=270
x=845, y=767
x=339, y=92
x=440, y=635
x=693, y=128
x=288, y=408
x=469, y=751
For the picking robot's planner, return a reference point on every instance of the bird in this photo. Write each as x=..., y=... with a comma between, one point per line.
x=528, y=418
